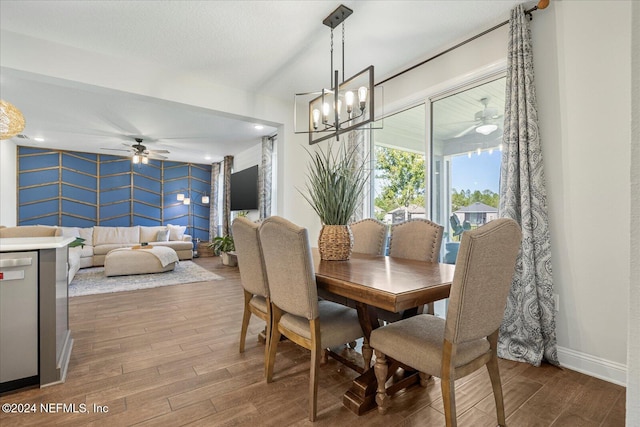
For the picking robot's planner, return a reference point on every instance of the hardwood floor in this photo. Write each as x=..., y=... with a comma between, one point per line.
x=169, y=357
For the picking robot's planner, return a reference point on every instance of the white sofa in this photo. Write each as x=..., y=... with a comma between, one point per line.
x=99, y=240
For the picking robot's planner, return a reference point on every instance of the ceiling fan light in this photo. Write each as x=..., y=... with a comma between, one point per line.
x=145, y=160
x=487, y=129
x=135, y=159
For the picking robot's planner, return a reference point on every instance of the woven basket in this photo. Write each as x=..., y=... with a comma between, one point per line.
x=335, y=242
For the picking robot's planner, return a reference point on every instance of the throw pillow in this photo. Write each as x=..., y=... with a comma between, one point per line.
x=176, y=231
x=162, y=236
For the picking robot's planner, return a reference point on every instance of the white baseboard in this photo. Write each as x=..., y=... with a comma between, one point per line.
x=603, y=369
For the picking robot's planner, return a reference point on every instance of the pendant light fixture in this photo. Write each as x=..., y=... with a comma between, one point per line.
x=11, y=120
x=346, y=105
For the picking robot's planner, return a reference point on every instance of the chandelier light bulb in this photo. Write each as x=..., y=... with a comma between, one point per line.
x=316, y=118
x=362, y=97
x=325, y=112
x=348, y=98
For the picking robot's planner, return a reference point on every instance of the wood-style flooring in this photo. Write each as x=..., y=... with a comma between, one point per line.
x=169, y=357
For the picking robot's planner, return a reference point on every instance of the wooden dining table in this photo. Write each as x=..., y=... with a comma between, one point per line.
x=372, y=282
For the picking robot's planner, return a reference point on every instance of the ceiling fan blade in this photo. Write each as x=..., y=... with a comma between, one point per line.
x=158, y=151
x=114, y=149
x=466, y=131
x=157, y=156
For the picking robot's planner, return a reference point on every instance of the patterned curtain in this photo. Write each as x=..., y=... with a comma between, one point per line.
x=355, y=141
x=528, y=330
x=265, y=177
x=214, y=215
x=226, y=201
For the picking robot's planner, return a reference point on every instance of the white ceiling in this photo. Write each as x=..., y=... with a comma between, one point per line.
x=275, y=48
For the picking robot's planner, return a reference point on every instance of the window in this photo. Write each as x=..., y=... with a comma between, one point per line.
x=466, y=149
x=399, y=166
x=464, y=162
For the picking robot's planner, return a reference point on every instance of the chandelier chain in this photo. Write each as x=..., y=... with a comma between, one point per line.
x=343, y=74
x=331, y=70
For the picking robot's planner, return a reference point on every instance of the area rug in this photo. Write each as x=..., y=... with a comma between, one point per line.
x=89, y=281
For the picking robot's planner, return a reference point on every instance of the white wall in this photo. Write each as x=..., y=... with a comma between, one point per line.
x=633, y=352
x=8, y=183
x=582, y=65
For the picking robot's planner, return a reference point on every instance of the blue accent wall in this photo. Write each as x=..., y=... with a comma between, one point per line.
x=77, y=189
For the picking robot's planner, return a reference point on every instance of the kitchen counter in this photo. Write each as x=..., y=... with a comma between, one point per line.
x=10, y=244
x=35, y=340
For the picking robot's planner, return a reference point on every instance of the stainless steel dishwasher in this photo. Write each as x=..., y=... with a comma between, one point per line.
x=18, y=319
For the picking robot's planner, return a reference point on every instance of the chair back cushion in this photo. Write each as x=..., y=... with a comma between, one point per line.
x=250, y=261
x=369, y=236
x=484, y=272
x=289, y=265
x=418, y=239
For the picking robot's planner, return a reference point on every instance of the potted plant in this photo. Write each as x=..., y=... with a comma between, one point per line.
x=335, y=182
x=223, y=246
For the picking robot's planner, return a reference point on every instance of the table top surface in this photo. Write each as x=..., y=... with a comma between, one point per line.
x=392, y=284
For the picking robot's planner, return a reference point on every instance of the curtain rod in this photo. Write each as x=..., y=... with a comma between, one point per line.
x=542, y=4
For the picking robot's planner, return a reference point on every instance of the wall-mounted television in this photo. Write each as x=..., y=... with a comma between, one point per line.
x=244, y=189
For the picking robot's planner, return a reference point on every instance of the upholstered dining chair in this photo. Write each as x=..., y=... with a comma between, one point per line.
x=297, y=313
x=418, y=239
x=369, y=236
x=467, y=339
x=253, y=278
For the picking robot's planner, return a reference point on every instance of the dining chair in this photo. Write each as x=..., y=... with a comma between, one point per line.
x=369, y=236
x=466, y=340
x=418, y=239
x=253, y=278
x=297, y=313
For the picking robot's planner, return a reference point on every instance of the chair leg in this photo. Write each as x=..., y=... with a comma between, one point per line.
x=447, y=384
x=273, y=341
x=267, y=341
x=381, y=369
x=316, y=352
x=494, y=374
x=245, y=320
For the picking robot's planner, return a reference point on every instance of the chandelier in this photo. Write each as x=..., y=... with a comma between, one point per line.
x=345, y=105
x=11, y=120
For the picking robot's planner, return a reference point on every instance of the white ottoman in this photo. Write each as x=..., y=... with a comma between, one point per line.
x=125, y=261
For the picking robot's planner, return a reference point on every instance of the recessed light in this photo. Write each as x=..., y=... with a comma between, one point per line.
x=258, y=127
x=207, y=157
x=38, y=139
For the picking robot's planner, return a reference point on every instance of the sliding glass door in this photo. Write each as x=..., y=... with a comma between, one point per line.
x=466, y=135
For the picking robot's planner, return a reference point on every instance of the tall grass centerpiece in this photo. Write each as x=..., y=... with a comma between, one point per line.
x=334, y=187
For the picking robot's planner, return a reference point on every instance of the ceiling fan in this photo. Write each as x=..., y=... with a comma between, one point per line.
x=140, y=153
x=484, y=120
